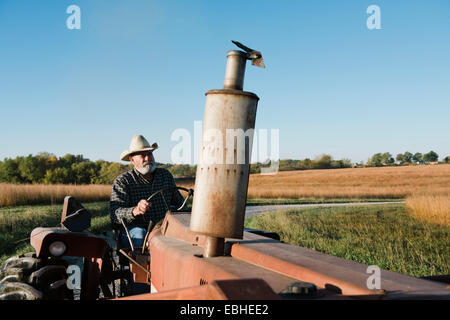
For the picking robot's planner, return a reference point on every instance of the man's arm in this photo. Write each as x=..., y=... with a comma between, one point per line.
x=119, y=206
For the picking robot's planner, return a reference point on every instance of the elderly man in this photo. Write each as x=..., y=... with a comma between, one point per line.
x=131, y=189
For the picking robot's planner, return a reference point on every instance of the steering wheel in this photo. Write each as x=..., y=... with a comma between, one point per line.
x=152, y=224
x=176, y=188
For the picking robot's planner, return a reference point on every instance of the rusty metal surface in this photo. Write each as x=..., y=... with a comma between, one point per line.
x=235, y=70
x=232, y=92
x=177, y=264
x=179, y=228
x=140, y=275
x=78, y=244
x=221, y=182
x=139, y=266
x=240, y=289
x=223, y=169
x=324, y=270
x=213, y=247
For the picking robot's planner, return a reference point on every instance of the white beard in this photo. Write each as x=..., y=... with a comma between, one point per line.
x=146, y=169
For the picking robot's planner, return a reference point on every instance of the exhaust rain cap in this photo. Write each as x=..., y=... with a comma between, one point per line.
x=255, y=56
x=236, y=61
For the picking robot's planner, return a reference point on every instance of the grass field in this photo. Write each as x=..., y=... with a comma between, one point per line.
x=360, y=183
x=430, y=207
x=16, y=223
x=30, y=194
x=377, y=235
x=354, y=183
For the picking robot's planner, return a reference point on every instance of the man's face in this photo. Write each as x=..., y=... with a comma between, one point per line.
x=143, y=161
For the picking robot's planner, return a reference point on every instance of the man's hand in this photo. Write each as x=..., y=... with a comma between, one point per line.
x=141, y=207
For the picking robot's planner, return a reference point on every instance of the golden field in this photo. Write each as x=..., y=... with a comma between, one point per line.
x=352, y=183
x=361, y=183
x=25, y=194
x=426, y=188
x=430, y=207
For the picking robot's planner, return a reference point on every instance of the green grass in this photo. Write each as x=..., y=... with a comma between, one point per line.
x=16, y=223
x=377, y=235
x=382, y=235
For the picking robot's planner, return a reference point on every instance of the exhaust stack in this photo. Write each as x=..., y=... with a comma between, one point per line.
x=221, y=184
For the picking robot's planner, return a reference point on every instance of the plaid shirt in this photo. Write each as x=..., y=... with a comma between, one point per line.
x=130, y=187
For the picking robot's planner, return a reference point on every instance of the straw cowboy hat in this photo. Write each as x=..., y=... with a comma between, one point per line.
x=138, y=143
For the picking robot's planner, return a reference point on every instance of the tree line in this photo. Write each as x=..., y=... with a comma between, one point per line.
x=46, y=168
x=387, y=159
x=324, y=161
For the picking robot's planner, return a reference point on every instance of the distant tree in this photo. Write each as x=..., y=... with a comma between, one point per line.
x=289, y=164
x=400, y=158
x=286, y=165
x=407, y=157
x=84, y=172
x=376, y=160
x=33, y=169
x=447, y=159
x=181, y=170
x=255, y=167
x=430, y=156
x=387, y=159
x=58, y=175
x=109, y=171
x=322, y=162
x=307, y=163
x=9, y=171
x=345, y=163
x=418, y=157
x=67, y=160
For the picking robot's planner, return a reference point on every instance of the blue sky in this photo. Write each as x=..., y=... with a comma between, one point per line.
x=330, y=85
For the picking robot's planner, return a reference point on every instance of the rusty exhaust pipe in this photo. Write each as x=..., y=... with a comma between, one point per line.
x=223, y=169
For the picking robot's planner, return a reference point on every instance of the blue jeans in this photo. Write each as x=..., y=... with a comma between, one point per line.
x=137, y=235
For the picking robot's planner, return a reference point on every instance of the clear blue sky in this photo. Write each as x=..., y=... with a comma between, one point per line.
x=330, y=85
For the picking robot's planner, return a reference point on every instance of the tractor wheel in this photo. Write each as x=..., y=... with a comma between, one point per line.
x=26, y=277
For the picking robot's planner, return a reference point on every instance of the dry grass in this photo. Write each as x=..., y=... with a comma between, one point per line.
x=361, y=183
x=430, y=207
x=357, y=183
x=11, y=194
x=30, y=194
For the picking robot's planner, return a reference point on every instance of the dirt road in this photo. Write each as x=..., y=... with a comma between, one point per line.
x=253, y=210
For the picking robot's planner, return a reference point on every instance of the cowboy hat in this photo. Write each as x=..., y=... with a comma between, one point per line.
x=138, y=143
